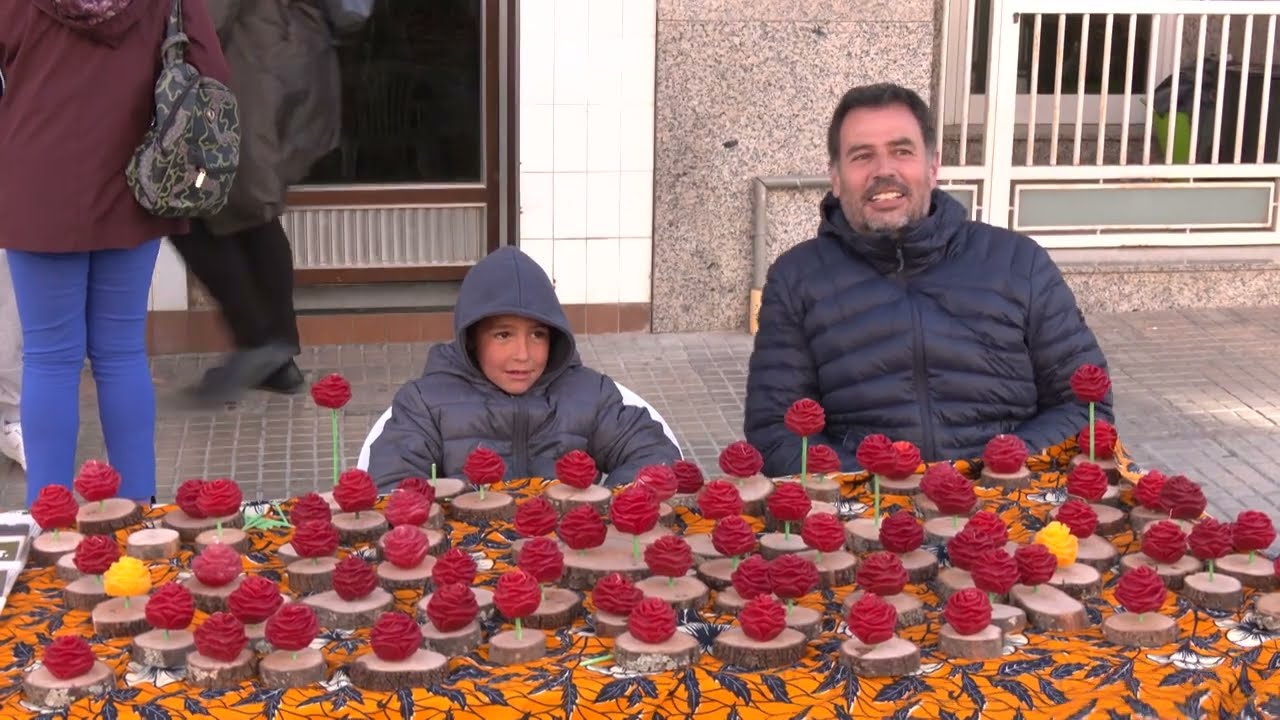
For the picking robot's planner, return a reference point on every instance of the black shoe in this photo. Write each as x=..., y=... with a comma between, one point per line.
x=286, y=380
x=244, y=369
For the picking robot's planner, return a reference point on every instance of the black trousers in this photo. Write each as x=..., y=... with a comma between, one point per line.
x=250, y=276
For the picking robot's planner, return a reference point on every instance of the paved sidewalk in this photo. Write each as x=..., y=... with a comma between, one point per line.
x=1198, y=393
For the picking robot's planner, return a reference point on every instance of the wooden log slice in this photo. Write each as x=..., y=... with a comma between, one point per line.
x=435, y=517
x=894, y=657
x=48, y=549
x=1020, y=480
x=1108, y=466
x=1010, y=619
x=84, y=593
x=666, y=515
x=1140, y=517
x=107, y=516
x=393, y=578
x=558, y=609
x=1267, y=611
x=484, y=605
x=835, y=569
x=733, y=647
x=807, y=620
x=1049, y=609
x=1148, y=630
x=1077, y=580
x=938, y=530
x=682, y=593
x=1258, y=573
x=65, y=568
x=729, y=602
x=702, y=548
x=684, y=500
x=986, y=644
x=1222, y=593
x=189, y=528
x=42, y=689
x=469, y=508
x=335, y=613
x=423, y=669
x=716, y=574
x=910, y=609
x=512, y=648
x=234, y=537
x=154, y=649
x=153, y=544
x=772, y=524
x=121, y=617
x=1173, y=574
x=678, y=651
x=929, y=509
x=205, y=672
x=921, y=565
x=566, y=497
x=1111, y=519
x=819, y=488
x=287, y=669
x=951, y=580
x=360, y=528
x=906, y=486
x=449, y=488
x=615, y=538
x=308, y=576
x=774, y=545
x=211, y=599
x=754, y=491
x=1097, y=552
x=582, y=570
x=609, y=625
x=455, y=643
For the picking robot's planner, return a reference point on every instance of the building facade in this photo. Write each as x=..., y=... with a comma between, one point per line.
x=655, y=155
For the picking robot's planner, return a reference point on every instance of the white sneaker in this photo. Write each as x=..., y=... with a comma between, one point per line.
x=11, y=443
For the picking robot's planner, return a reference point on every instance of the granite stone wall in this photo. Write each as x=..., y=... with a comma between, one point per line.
x=746, y=88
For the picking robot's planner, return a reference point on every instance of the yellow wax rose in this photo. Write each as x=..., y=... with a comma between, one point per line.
x=126, y=577
x=1058, y=539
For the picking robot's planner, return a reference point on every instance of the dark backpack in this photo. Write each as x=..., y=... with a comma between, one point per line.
x=187, y=161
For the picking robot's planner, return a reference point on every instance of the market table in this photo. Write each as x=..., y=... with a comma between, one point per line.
x=1224, y=666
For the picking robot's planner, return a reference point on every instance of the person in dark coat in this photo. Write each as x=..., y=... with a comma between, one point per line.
x=904, y=317
x=512, y=381
x=78, y=98
x=284, y=72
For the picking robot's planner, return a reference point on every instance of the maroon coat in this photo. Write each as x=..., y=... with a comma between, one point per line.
x=77, y=101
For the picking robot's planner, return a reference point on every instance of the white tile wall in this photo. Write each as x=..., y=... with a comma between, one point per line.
x=168, y=281
x=586, y=145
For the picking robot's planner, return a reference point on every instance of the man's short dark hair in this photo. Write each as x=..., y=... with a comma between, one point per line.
x=881, y=95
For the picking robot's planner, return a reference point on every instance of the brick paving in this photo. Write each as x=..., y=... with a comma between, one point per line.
x=1198, y=393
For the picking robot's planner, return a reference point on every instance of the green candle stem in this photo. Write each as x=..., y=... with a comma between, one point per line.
x=596, y=660
x=734, y=564
x=126, y=602
x=519, y=629
x=804, y=460
x=791, y=603
x=55, y=534
x=1252, y=554
x=635, y=547
x=1092, y=434
x=433, y=474
x=671, y=582
x=786, y=530
x=102, y=505
x=818, y=557
x=955, y=522
x=1211, y=570
x=482, y=493
x=294, y=655
x=875, y=485
x=166, y=634
x=333, y=414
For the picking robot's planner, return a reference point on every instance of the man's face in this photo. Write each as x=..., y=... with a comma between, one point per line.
x=884, y=174
x=512, y=351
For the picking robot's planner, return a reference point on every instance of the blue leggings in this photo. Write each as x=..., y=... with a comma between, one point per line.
x=73, y=306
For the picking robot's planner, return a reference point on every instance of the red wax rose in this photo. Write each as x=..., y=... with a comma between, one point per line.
x=1104, y=444
x=54, y=507
x=996, y=572
x=763, y=619
x=823, y=532
x=395, y=636
x=406, y=507
x=95, y=553
x=719, y=499
x=616, y=594
x=741, y=460
x=355, y=491
x=1164, y=542
x=1209, y=539
x=805, y=417
x=331, y=392
x=1079, y=517
x=310, y=507
x=968, y=611
x=1147, y=491
x=219, y=498
x=1252, y=531
x=97, y=481
x=536, y=517
x=751, y=578
x=872, y=620
x=733, y=536
x=1090, y=383
x=905, y=462
x=1141, y=590
x=576, y=469
x=1087, y=481
x=1035, y=564
x=405, y=546
x=659, y=480
x=634, y=511
x=792, y=576
x=1182, y=498
x=68, y=656
x=882, y=573
x=217, y=565
x=484, y=467
x=968, y=546
x=452, y=607
x=952, y=492
x=455, y=566
x=354, y=578
x=689, y=477
x=541, y=557
x=421, y=486
x=877, y=455
x=669, y=556
x=789, y=502
x=582, y=528
x=990, y=524
x=187, y=498
x=901, y=532
x=652, y=621
x=255, y=600
x=1005, y=454
x=293, y=627
x=315, y=539
x=170, y=607
x=823, y=460
x=517, y=594
x=221, y=637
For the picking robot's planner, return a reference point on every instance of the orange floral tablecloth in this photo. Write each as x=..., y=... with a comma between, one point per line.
x=1224, y=667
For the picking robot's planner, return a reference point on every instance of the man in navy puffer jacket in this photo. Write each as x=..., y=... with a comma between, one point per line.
x=903, y=317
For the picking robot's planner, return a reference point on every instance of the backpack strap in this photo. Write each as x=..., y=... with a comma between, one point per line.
x=174, y=48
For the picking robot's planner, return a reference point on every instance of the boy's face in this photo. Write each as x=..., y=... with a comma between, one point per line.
x=512, y=351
